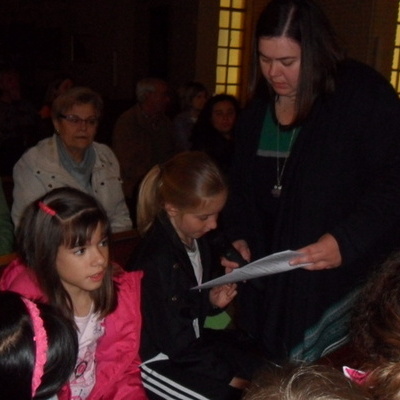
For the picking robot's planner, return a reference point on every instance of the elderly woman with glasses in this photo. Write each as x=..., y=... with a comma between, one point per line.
x=71, y=158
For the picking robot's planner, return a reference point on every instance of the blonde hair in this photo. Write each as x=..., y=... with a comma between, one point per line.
x=303, y=382
x=376, y=329
x=384, y=381
x=187, y=181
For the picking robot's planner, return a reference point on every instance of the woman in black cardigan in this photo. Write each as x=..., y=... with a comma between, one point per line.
x=317, y=169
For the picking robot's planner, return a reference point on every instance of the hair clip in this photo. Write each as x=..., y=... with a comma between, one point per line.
x=46, y=209
x=41, y=344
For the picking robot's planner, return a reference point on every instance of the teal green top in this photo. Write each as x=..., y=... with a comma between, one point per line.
x=6, y=226
x=275, y=140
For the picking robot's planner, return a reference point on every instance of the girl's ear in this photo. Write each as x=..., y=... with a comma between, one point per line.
x=171, y=210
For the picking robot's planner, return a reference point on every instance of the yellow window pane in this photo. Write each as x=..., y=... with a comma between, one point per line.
x=232, y=90
x=230, y=43
x=396, y=56
x=237, y=20
x=238, y=3
x=397, y=41
x=234, y=57
x=233, y=75
x=222, y=56
x=220, y=89
x=393, y=79
x=221, y=74
x=236, y=38
x=223, y=38
x=224, y=19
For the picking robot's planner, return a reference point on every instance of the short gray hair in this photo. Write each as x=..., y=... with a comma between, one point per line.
x=146, y=86
x=76, y=95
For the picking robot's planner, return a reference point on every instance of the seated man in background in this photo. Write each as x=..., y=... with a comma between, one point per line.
x=143, y=135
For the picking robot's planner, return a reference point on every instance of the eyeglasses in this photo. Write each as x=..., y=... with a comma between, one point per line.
x=75, y=120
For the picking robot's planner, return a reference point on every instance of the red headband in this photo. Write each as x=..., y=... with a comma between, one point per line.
x=46, y=209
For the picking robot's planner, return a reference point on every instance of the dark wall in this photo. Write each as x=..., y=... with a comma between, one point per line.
x=105, y=44
x=111, y=44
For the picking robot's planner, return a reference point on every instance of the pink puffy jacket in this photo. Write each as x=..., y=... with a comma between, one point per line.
x=117, y=355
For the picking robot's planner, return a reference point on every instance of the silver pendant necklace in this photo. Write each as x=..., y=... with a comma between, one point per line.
x=276, y=191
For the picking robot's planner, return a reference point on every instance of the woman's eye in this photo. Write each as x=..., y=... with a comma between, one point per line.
x=265, y=60
x=79, y=251
x=287, y=63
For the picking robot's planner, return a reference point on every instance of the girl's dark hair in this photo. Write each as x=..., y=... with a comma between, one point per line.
x=188, y=180
x=203, y=123
x=305, y=23
x=375, y=329
x=188, y=92
x=17, y=349
x=77, y=215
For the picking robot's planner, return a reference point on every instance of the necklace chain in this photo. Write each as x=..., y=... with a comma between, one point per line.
x=276, y=191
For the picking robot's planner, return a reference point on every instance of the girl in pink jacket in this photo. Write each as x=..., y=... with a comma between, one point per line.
x=64, y=260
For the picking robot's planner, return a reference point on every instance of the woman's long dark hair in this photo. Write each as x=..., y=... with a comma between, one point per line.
x=305, y=23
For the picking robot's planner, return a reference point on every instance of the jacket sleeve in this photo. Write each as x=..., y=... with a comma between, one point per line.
x=118, y=374
x=111, y=191
x=238, y=213
x=20, y=279
x=168, y=316
x=27, y=187
x=373, y=225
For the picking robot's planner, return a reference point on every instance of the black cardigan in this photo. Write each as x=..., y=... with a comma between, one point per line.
x=342, y=178
x=169, y=306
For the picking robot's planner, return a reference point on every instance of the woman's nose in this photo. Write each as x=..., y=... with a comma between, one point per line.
x=273, y=69
x=84, y=124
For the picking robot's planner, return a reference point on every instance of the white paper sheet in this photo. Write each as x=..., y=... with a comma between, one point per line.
x=273, y=264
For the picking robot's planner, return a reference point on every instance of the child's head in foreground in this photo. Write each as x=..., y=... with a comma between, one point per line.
x=303, y=382
x=375, y=330
x=38, y=349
